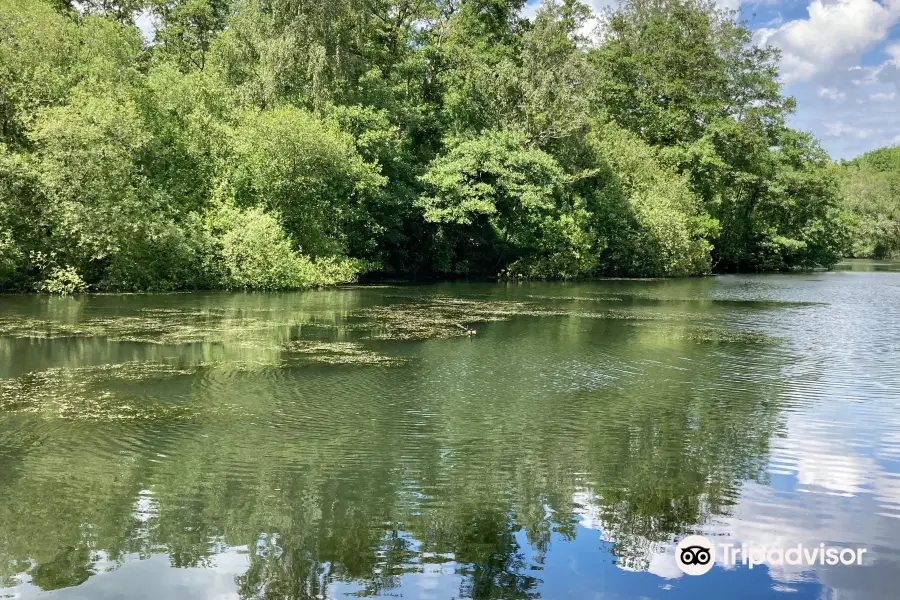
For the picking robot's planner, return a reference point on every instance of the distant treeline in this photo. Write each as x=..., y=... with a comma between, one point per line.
x=871, y=187
x=270, y=144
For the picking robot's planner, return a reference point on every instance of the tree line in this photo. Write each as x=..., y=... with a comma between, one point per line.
x=871, y=188
x=279, y=144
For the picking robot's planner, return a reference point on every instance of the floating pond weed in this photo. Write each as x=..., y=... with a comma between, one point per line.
x=438, y=317
x=209, y=345
x=88, y=393
x=336, y=353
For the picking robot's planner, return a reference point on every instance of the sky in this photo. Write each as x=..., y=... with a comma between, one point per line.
x=840, y=60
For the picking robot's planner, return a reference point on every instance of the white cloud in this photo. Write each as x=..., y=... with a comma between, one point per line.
x=839, y=129
x=831, y=94
x=893, y=50
x=599, y=5
x=888, y=72
x=530, y=9
x=849, y=104
x=835, y=34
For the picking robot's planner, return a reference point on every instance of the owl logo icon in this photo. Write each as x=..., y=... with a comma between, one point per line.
x=695, y=555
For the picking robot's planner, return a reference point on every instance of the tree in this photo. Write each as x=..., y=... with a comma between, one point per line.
x=655, y=225
x=412, y=137
x=500, y=203
x=307, y=170
x=555, y=78
x=186, y=29
x=98, y=197
x=478, y=47
x=36, y=49
x=709, y=71
x=713, y=105
x=121, y=11
x=871, y=188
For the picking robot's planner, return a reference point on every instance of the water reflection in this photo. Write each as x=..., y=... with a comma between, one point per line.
x=868, y=265
x=560, y=453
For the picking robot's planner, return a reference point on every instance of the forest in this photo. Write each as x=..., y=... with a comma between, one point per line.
x=285, y=144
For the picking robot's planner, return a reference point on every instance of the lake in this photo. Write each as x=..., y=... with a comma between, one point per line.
x=358, y=442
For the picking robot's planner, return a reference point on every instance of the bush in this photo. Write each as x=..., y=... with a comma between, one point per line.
x=164, y=256
x=500, y=203
x=9, y=256
x=62, y=280
x=871, y=190
x=654, y=224
x=253, y=252
x=303, y=169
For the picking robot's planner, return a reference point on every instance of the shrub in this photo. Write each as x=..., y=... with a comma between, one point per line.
x=164, y=256
x=501, y=203
x=655, y=225
x=253, y=252
x=304, y=170
x=62, y=280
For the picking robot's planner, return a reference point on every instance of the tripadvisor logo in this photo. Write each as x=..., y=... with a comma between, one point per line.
x=695, y=555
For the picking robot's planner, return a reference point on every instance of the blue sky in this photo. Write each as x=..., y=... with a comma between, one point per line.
x=840, y=60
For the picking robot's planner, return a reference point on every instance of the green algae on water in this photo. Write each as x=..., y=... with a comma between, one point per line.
x=335, y=353
x=83, y=393
x=439, y=317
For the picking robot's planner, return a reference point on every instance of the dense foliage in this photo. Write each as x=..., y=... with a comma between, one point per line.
x=871, y=186
x=265, y=144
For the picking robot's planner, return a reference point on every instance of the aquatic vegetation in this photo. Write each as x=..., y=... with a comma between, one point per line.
x=157, y=327
x=250, y=341
x=101, y=392
x=577, y=298
x=412, y=318
x=84, y=393
x=338, y=353
x=437, y=317
x=440, y=318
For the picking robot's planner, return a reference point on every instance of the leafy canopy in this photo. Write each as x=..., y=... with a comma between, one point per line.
x=265, y=144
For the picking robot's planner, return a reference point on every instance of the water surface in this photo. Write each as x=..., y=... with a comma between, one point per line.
x=356, y=442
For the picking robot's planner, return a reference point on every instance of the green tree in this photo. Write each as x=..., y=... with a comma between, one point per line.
x=36, y=49
x=97, y=195
x=501, y=203
x=185, y=29
x=871, y=189
x=479, y=46
x=304, y=168
x=655, y=225
x=713, y=105
x=415, y=137
x=121, y=11
x=555, y=78
x=709, y=71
